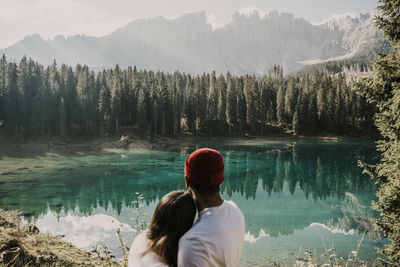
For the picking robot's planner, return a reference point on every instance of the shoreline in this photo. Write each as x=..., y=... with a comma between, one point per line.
x=35, y=153
x=69, y=147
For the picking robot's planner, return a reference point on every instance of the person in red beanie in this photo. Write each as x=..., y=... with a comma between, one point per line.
x=216, y=239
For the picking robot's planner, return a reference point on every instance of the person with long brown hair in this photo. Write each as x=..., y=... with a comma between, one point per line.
x=158, y=246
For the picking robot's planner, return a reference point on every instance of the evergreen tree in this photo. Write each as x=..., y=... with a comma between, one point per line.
x=83, y=90
x=71, y=102
x=331, y=108
x=3, y=71
x=221, y=87
x=36, y=84
x=165, y=105
x=212, y=105
x=13, y=109
x=200, y=90
x=231, y=108
x=295, y=122
x=290, y=100
x=323, y=83
x=104, y=106
x=25, y=93
x=263, y=105
x=302, y=112
x=60, y=101
x=143, y=110
x=251, y=94
x=191, y=108
x=312, y=112
x=270, y=95
x=117, y=98
x=383, y=89
x=177, y=100
x=212, y=100
x=339, y=109
x=56, y=87
x=135, y=86
x=47, y=105
x=241, y=104
x=280, y=104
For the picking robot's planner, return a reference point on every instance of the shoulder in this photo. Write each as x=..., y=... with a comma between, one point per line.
x=231, y=204
x=136, y=257
x=232, y=207
x=140, y=242
x=138, y=247
x=212, y=226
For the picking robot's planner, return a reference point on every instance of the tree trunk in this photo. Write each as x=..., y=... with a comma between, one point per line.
x=116, y=125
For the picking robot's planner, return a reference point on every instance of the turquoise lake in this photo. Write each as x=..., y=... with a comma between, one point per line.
x=295, y=196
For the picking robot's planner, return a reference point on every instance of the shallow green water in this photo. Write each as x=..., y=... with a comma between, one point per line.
x=294, y=196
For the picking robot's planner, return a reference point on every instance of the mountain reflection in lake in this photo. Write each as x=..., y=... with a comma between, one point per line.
x=292, y=194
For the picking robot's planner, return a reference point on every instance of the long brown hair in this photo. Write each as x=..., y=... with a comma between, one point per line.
x=172, y=218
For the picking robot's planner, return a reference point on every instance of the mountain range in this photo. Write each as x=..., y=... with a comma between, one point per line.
x=250, y=43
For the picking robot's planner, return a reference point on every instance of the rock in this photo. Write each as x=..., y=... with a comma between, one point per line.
x=5, y=223
x=46, y=260
x=33, y=229
x=123, y=142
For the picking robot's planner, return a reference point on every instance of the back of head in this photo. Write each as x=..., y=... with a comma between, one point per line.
x=173, y=217
x=204, y=170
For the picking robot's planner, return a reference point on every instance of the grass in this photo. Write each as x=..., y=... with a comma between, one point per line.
x=329, y=258
x=25, y=245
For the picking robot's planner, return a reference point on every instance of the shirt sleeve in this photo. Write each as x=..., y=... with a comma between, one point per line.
x=192, y=253
x=139, y=245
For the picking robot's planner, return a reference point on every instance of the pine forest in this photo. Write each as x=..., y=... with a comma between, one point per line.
x=77, y=102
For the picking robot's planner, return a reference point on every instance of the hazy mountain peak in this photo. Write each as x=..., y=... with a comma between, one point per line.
x=33, y=37
x=213, y=21
x=200, y=16
x=344, y=21
x=252, y=42
x=252, y=10
x=339, y=17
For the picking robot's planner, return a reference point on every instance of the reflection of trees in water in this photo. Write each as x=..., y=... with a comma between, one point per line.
x=83, y=191
x=319, y=171
x=356, y=216
x=325, y=173
x=278, y=215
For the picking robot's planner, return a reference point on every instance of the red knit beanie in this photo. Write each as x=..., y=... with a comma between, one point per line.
x=205, y=166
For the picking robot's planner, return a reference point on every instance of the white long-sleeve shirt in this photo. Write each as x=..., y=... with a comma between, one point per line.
x=216, y=239
x=136, y=258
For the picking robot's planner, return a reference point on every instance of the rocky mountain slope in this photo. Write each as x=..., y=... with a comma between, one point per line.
x=250, y=43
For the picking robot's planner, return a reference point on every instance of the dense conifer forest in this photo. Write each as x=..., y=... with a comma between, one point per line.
x=38, y=101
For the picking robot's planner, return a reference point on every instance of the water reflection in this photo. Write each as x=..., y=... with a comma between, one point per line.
x=281, y=187
x=320, y=170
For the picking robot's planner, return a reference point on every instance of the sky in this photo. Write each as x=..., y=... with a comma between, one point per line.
x=19, y=18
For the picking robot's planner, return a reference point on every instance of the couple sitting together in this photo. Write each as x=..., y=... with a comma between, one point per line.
x=215, y=239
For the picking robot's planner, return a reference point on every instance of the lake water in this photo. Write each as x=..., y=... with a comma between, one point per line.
x=294, y=195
